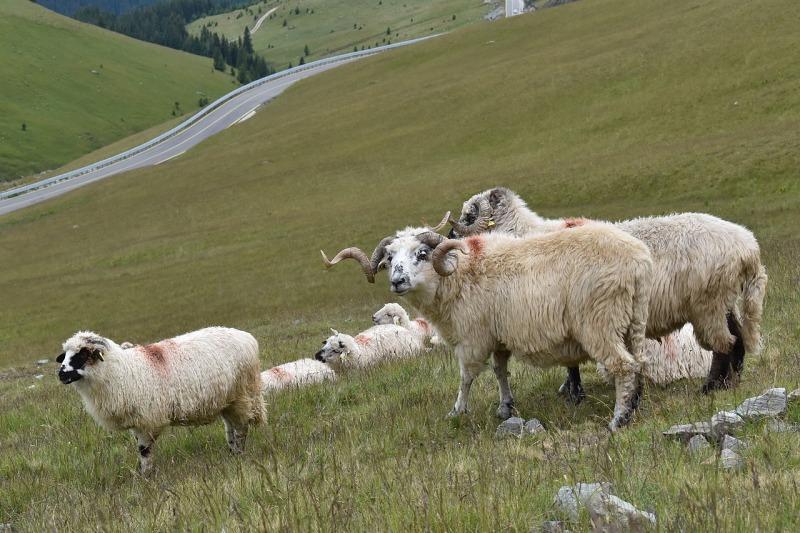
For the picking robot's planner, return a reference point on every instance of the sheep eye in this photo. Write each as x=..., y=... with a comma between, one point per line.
x=422, y=255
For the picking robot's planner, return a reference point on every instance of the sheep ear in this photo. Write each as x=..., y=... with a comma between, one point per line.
x=60, y=358
x=334, y=331
x=497, y=196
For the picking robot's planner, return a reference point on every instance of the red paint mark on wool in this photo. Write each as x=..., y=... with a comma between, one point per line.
x=670, y=347
x=158, y=353
x=475, y=245
x=423, y=324
x=363, y=340
x=574, y=222
x=280, y=373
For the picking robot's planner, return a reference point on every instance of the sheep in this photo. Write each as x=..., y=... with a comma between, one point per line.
x=554, y=299
x=296, y=374
x=393, y=313
x=372, y=346
x=702, y=266
x=187, y=380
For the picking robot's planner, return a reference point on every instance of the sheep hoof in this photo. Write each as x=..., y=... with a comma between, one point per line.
x=505, y=410
x=454, y=413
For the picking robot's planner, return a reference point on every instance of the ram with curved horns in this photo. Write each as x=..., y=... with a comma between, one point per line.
x=554, y=299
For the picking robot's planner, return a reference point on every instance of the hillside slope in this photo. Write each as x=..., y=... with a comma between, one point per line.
x=331, y=27
x=76, y=87
x=602, y=108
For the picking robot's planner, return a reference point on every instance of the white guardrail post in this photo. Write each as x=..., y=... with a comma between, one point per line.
x=17, y=191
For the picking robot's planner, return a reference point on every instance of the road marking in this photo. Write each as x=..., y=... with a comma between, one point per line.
x=170, y=157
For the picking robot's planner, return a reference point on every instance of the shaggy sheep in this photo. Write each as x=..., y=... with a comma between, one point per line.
x=393, y=313
x=187, y=380
x=374, y=345
x=554, y=299
x=702, y=265
x=296, y=374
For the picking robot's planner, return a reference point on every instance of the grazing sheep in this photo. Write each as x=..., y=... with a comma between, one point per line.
x=555, y=299
x=702, y=266
x=296, y=374
x=372, y=346
x=187, y=380
x=393, y=313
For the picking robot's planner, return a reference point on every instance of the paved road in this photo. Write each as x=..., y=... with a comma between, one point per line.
x=239, y=108
x=262, y=19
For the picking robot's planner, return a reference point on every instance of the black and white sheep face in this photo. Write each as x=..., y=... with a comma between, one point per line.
x=469, y=213
x=409, y=264
x=76, y=365
x=333, y=349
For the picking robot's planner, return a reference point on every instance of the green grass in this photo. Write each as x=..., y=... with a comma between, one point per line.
x=337, y=26
x=77, y=87
x=605, y=108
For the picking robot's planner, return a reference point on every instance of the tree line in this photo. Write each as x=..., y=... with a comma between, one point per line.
x=165, y=23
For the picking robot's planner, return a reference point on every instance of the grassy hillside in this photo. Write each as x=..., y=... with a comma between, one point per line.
x=331, y=27
x=76, y=87
x=604, y=108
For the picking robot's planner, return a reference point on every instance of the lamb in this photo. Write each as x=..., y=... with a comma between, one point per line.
x=296, y=374
x=393, y=313
x=372, y=346
x=554, y=299
x=187, y=380
x=702, y=266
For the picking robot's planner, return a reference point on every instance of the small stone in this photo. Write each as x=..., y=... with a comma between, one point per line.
x=685, y=432
x=725, y=422
x=533, y=426
x=617, y=514
x=568, y=497
x=39, y=376
x=793, y=396
x=553, y=526
x=730, y=460
x=781, y=426
x=510, y=428
x=29, y=387
x=733, y=444
x=697, y=443
x=771, y=403
x=42, y=362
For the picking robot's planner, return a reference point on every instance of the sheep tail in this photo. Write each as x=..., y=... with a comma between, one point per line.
x=754, y=289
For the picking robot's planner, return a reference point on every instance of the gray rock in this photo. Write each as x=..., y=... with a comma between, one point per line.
x=39, y=376
x=512, y=427
x=793, y=396
x=781, y=426
x=533, y=426
x=771, y=403
x=733, y=444
x=553, y=526
x=725, y=422
x=610, y=513
x=684, y=432
x=730, y=460
x=42, y=362
x=698, y=443
x=568, y=498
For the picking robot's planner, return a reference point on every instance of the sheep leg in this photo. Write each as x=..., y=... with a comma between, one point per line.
x=713, y=333
x=572, y=387
x=506, y=407
x=145, y=441
x=471, y=365
x=235, y=432
x=737, y=351
x=628, y=392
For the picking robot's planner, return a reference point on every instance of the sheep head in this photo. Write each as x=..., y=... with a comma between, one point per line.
x=391, y=313
x=81, y=352
x=335, y=348
x=481, y=212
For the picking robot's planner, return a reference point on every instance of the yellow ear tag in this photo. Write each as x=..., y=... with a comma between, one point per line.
x=490, y=223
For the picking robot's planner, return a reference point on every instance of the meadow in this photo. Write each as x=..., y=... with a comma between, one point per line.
x=605, y=109
x=330, y=27
x=77, y=88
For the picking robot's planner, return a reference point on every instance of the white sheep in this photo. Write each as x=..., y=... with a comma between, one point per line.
x=702, y=266
x=393, y=313
x=372, y=346
x=296, y=374
x=188, y=380
x=555, y=299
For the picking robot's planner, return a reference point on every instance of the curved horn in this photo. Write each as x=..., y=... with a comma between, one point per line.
x=379, y=252
x=441, y=224
x=352, y=253
x=430, y=238
x=439, y=258
x=482, y=222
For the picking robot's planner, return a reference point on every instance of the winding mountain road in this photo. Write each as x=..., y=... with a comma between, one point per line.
x=236, y=109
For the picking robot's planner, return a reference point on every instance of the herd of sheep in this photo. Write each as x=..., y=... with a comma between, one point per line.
x=657, y=298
